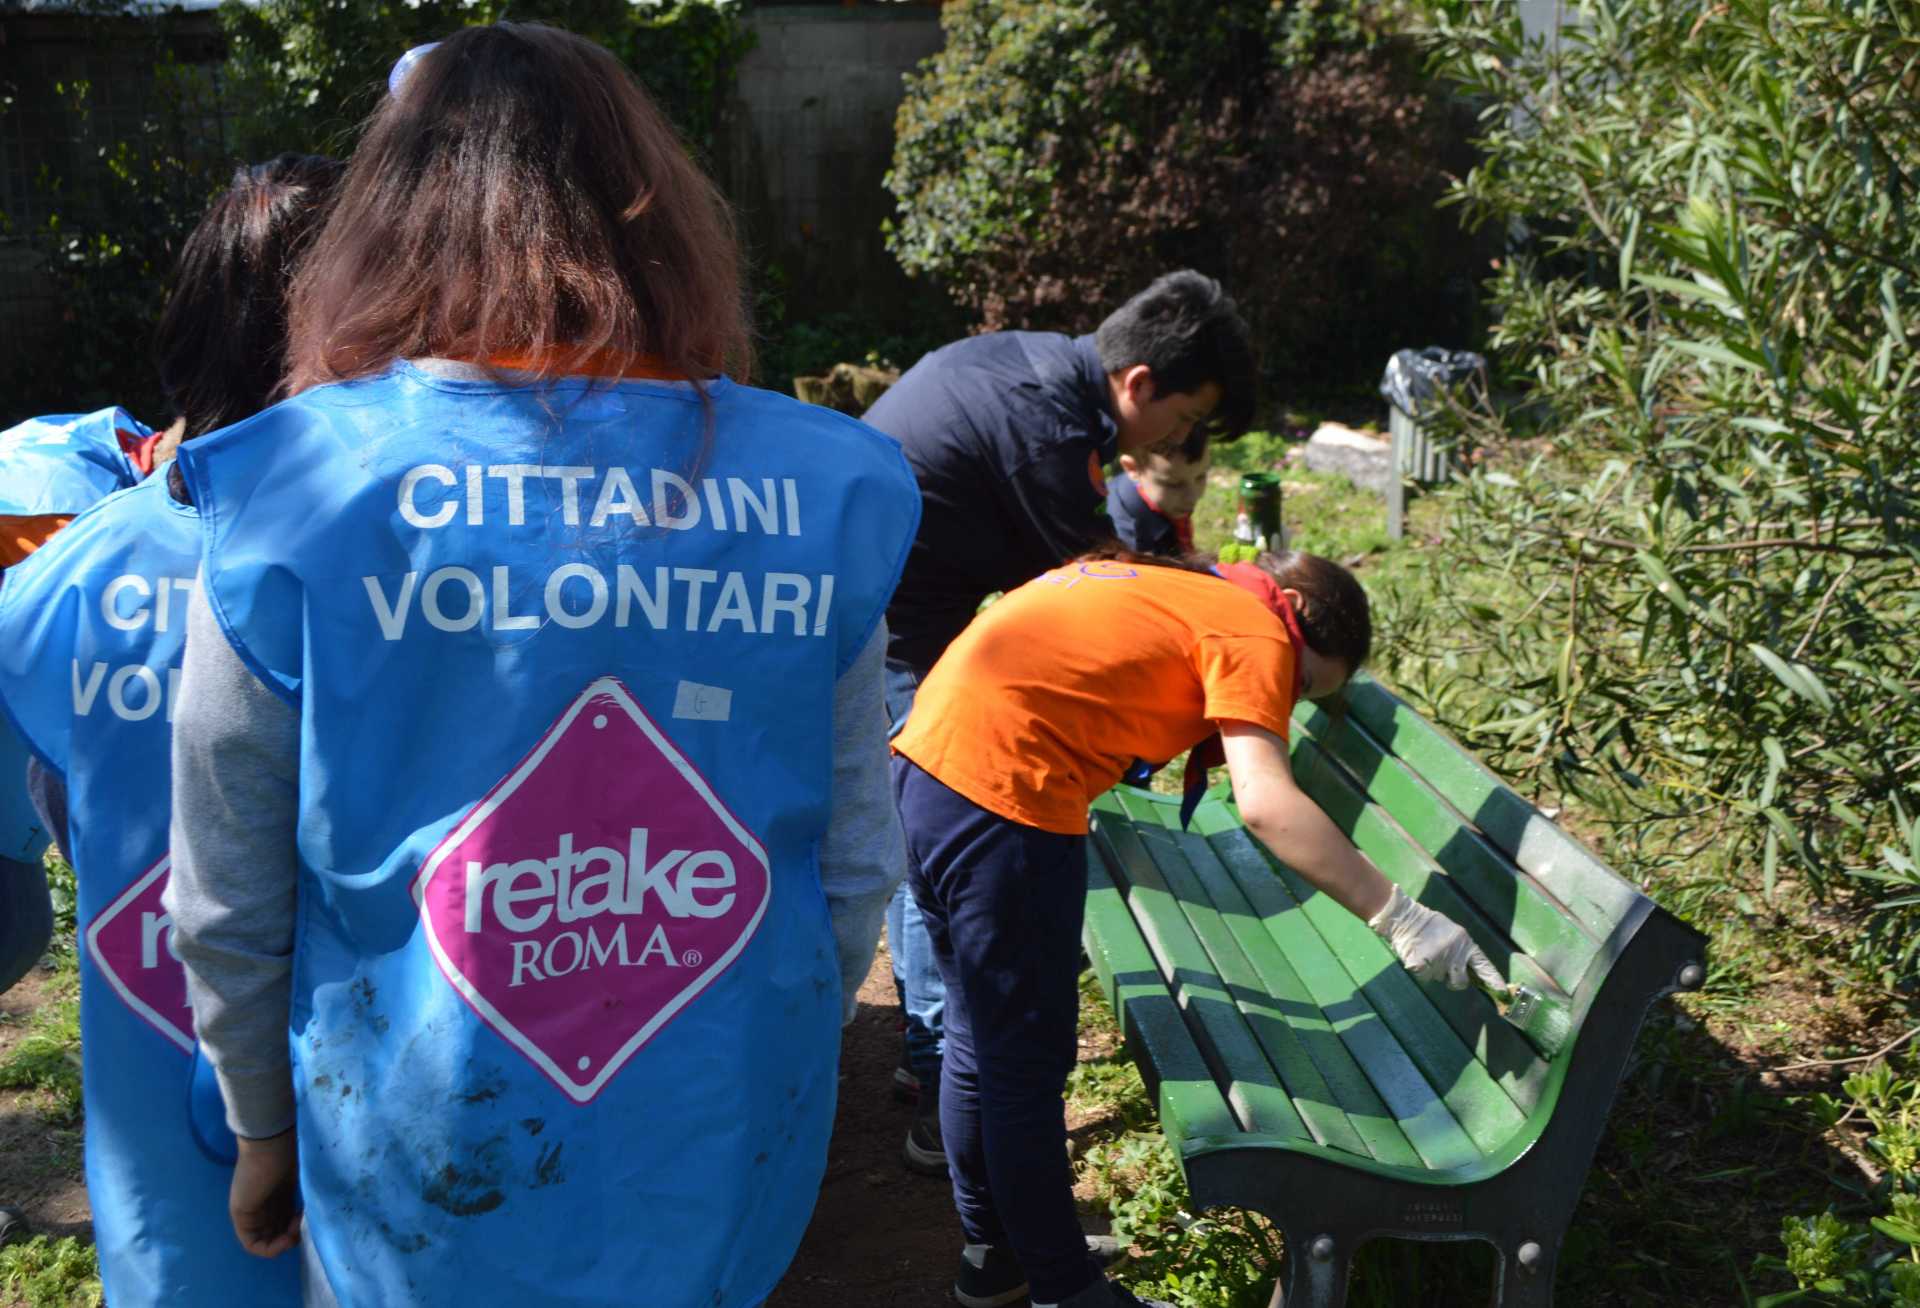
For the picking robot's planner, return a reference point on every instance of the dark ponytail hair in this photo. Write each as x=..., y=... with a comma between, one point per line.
x=221, y=343
x=1334, y=613
x=1333, y=610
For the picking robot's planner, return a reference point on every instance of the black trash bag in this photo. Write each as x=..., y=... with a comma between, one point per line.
x=1413, y=376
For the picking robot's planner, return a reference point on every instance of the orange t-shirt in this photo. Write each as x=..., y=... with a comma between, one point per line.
x=1046, y=700
x=20, y=537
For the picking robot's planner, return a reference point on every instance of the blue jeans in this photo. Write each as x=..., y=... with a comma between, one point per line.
x=1003, y=905
x=916, y=979
x=26, y=908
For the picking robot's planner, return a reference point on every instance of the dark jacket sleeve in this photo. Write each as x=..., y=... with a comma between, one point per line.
x=1059, y=496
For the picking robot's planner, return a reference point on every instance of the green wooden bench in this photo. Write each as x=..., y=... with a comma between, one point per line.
x=1301, y=1072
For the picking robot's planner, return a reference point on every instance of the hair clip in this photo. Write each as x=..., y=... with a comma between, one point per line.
x=404, y=65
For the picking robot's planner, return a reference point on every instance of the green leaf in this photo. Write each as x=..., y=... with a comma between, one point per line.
x=1896, y=1229
x=1796, y=677
x=1733, y=357
x=1663, y=581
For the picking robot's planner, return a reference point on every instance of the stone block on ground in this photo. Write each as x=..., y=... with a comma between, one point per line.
x=1363, y=459
x=848, y=387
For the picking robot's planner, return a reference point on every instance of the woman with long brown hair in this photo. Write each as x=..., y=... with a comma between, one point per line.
x=1041, y=705
x=531, y=828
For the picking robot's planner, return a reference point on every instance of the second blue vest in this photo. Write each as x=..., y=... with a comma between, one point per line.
x=57, y=465
x=91, y=632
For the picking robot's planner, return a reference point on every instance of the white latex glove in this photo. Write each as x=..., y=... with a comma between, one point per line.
x=1432, y=946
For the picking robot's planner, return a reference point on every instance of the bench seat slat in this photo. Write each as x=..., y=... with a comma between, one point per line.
x=1592, y=890
x=1503, y=1050
x=1191, y=1106
x=1335, y=1074
x=1219, y=1029
x=1511, y=899
x=1365, y=988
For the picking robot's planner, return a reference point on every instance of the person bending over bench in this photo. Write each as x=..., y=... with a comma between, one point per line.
x=1049, y=698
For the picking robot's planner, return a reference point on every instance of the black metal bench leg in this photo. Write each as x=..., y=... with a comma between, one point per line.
x=1524, y=1277
x=1315, y=1273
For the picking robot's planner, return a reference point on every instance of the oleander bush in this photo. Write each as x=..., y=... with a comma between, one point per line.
x=1706, y=516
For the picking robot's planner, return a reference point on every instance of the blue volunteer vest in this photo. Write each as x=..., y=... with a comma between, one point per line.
x=56, y=465
x=66, y=462
x=566, y=1004
x=91, y=631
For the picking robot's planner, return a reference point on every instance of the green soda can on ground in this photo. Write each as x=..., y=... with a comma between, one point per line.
x=1258, y=521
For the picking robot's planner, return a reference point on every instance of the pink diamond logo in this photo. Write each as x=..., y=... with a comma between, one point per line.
x=131, y=942
x=594, y=894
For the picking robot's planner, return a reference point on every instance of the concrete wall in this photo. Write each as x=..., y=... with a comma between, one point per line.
x=809, y=138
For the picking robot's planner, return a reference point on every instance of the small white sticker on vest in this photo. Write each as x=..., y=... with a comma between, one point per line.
x=699, y=703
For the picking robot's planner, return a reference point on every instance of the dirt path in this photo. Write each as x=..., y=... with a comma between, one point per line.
x=881, y=1236
x=39, y=1162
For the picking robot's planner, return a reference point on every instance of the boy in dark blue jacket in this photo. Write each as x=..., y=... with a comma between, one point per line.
x=1151, y=503
x=1008, y=434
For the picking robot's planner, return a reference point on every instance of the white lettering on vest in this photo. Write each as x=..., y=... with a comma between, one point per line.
x=578, y=885
x=669, y=490
x=152, y=601
x=596, y=589
x=154, y=929
x=578, y=595
x=134, y=691
x=410, y=512
x=430, y=599
x=504, y=618
x=769, y=505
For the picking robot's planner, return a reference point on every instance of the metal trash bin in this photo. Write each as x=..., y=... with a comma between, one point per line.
x=1412, y=378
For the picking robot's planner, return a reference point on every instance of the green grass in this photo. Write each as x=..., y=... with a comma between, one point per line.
x=1323, y=513
x=43, y=1273
x=47, y=1058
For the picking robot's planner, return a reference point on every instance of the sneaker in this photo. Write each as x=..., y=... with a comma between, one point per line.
x=923, y=1152
x=906, y=1086
x=991, y=1276
x=13, y=1226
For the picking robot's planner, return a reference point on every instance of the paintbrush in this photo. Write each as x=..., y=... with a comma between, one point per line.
x=1544, y=1021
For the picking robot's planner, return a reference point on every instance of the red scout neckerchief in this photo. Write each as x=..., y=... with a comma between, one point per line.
x=1211, y=752
x=1182, y=527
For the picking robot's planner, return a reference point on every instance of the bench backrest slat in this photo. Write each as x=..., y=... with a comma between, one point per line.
x=1595, y=892
x=1519, y=1068
x=1545, y=929
x=1191, y=1106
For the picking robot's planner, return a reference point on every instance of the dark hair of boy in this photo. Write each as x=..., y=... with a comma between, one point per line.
x=520, y=196
x=1335, y=615
x=221, y=340
x=1188, y=332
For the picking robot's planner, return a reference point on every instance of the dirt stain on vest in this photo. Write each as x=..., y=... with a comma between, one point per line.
x=470, y=1189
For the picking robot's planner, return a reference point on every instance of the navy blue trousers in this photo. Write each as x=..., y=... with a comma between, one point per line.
x=1003, y=905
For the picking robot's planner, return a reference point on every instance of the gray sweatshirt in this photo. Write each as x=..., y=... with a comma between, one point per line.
x=236, y=765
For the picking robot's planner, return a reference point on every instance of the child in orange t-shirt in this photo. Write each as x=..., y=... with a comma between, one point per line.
x=1046, y=701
